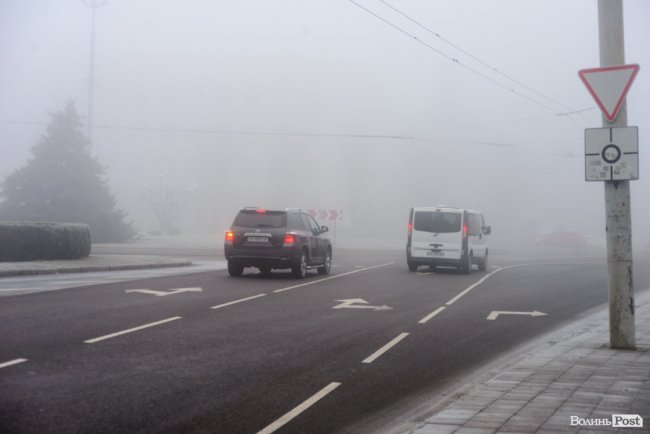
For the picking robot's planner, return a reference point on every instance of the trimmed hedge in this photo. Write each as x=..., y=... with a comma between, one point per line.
x=40, y=241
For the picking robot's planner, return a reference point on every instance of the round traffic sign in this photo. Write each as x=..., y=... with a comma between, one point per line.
x=611, y=153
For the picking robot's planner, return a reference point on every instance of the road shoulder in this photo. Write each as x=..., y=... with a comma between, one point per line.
x=92, y=263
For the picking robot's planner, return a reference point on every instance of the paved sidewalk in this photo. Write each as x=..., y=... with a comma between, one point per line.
x=570, y=375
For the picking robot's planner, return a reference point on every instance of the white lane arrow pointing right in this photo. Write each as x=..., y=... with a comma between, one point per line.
x=495, y=313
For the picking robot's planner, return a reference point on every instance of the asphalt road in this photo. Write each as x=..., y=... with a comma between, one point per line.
x=215, y=354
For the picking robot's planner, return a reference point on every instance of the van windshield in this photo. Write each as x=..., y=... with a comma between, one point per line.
x=437, y=222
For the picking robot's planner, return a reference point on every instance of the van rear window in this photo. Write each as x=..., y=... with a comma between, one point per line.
x=437, y=222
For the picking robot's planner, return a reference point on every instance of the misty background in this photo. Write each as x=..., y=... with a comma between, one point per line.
x=330, y=105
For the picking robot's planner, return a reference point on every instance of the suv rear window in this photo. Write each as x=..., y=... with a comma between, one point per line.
x=437, y=222
x=254, y=219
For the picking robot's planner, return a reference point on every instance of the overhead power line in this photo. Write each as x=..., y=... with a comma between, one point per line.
x=221, y=132
x=397, y=137
x=451, y=44
x=456, y=61
x=292, y=134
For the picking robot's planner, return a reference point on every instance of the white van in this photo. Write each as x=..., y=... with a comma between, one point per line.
x=447, y=236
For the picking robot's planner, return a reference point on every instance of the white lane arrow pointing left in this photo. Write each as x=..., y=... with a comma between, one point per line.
x=358, y=303
x=164, y=293
x=495, y=313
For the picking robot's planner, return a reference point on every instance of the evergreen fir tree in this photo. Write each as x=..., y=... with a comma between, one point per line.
x=62, y=182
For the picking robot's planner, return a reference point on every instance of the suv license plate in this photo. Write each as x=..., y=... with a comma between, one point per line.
x=430, y=253
x=258, y=239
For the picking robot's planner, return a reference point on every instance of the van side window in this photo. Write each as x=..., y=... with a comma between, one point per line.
x=474, y=225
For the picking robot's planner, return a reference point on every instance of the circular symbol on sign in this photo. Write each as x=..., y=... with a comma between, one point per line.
x=611, y=153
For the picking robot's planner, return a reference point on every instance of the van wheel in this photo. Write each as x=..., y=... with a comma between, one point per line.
x=432, y=268
x=235, y=270
x=265, y=270
x=412, y=266
x=299, y=269
x=467, y=264
x=483, y=265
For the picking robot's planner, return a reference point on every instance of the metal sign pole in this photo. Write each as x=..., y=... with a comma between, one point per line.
x=617, y=195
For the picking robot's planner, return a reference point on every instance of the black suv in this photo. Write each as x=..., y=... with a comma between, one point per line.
x=277, y=239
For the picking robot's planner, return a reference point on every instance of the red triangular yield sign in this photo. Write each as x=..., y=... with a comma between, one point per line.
x=609, y=86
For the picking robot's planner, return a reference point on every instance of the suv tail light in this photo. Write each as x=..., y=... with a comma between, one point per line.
x=289, y=240
x=230, y=237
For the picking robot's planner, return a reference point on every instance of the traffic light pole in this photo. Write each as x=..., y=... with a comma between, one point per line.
x=617, y=195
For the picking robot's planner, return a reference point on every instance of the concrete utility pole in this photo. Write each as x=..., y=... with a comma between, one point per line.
x=93, y=5
x=617, y=195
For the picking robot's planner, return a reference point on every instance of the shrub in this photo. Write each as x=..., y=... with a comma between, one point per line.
x=40, y=241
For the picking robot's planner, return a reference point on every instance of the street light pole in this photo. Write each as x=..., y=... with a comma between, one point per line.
x=617, y=195
x=93, y=5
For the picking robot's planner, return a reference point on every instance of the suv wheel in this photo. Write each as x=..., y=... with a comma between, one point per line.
x=234, y=269
x=325, y=269
x=412, y=266
x=265, y=269
x=299, y=269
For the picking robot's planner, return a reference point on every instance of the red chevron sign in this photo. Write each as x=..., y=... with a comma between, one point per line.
x=326, y=214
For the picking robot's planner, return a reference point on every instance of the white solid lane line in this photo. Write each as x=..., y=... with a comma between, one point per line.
x=123, y=332
x=299, y=409
x=469, y=288
x=333, y=277
x=12, y=362
x=385, y=348
x=431, y=315
x=237, y=301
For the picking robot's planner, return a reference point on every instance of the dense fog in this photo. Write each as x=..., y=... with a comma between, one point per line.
x=330, y=105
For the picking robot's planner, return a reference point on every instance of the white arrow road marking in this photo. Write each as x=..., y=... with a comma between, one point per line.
x=299, y=409
x=358, y=303
x=495, y=313
x=12, y=362
x=164, y=293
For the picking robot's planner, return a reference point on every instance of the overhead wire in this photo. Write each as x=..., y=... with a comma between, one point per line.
x=222, y=132
x=467, y=53
x=452, y=59
x=397, y=137
x=296, y=134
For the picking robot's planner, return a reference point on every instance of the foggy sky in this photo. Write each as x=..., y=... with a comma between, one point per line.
x=319, y=104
